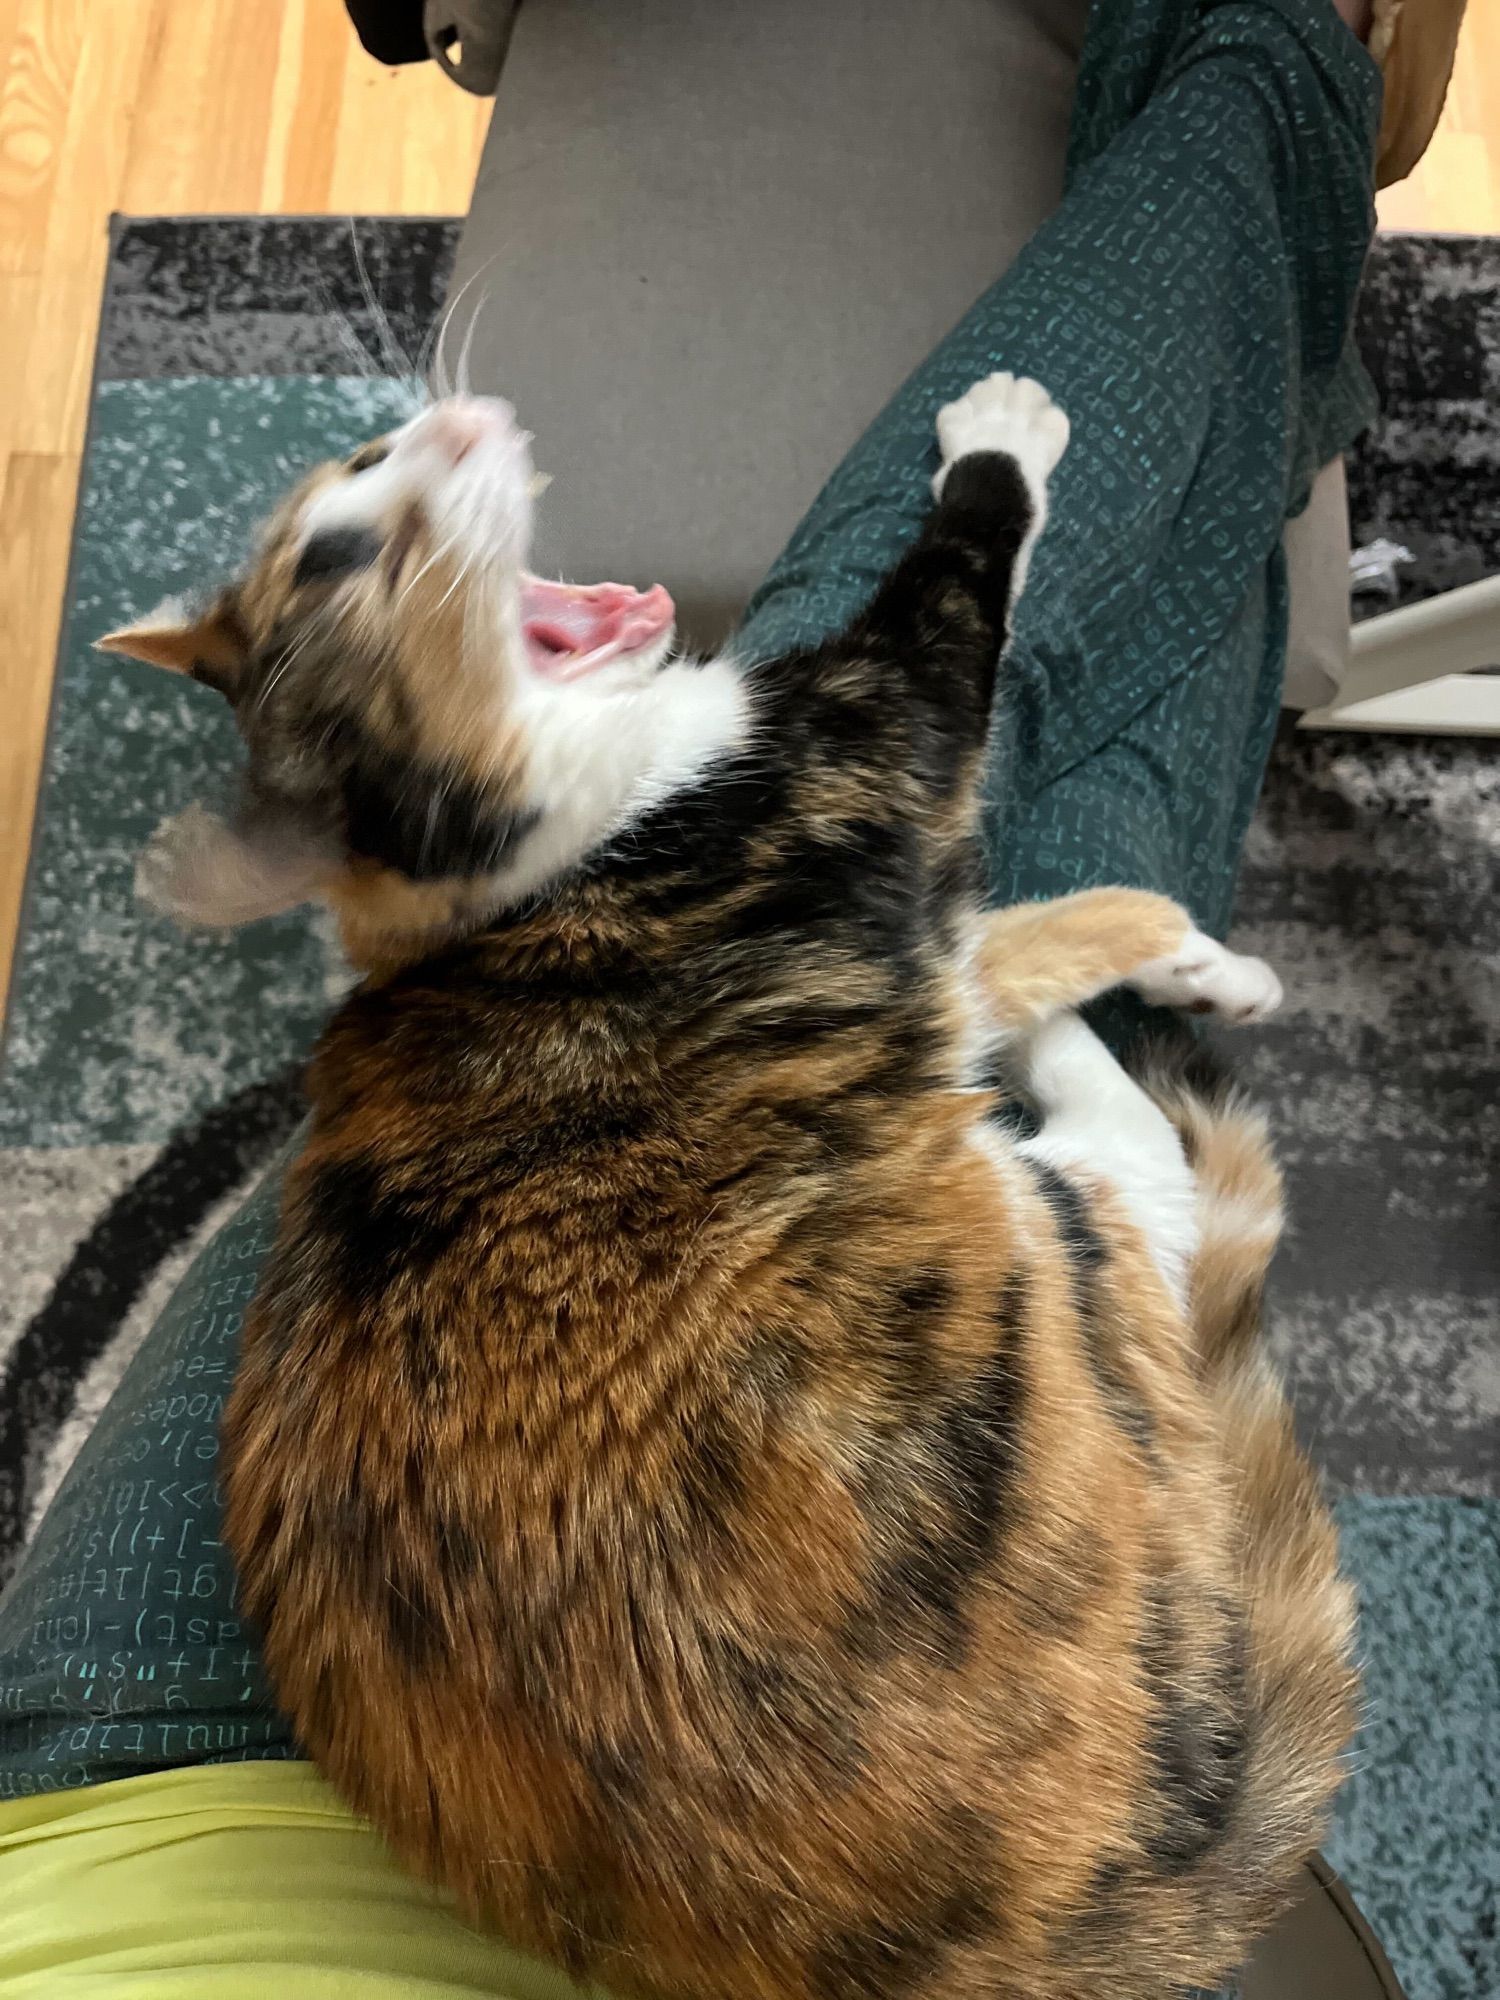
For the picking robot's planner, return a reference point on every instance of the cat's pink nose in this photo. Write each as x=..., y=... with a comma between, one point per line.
x=461, y=422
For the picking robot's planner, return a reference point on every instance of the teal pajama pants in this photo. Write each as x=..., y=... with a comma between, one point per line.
x=1189, y=307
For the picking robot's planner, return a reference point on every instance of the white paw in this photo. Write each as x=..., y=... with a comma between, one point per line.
x=1206, y=978
x=1008, y=413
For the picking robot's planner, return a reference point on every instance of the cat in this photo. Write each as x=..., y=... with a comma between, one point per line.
x=736, y=1512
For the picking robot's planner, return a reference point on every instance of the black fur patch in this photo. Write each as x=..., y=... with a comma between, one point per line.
x=1081, y=1241
x=617, y=1773
x=917, y=1308
x=1086, y=1253
x=793, y=1028
x=950, y=594
x=1197, y=1752
x=1101, y=1916
x=427, y=824
x=411, y=1621
x=712, y=1474
x=955, y=1521
x=371, y=1233
x=861, y=881
x=1011, y=1116
x=889, y=1958
x=922, y=1302
x=944, y=1900
x=986, y=501
x=1121, y=1397
x=799, y=1703
x=428, y=821
x=460, y=1554
x=424, y=1359
x=336, y=552
x=691, y=849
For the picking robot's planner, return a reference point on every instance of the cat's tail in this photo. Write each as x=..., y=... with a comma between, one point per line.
x=1301, y=1706
x=1240, y=1203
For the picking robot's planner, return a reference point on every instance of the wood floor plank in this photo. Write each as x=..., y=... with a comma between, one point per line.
x=52, y=407
x=399, y=151
x=204, y=111
x=305, y=109
x=19, y=293
x=36, y=512
x=43, y=53
x=174, y=165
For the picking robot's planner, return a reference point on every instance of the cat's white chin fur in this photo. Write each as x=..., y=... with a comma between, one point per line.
x=602, y=752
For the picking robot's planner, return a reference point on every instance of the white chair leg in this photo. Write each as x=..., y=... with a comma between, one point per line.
x=1455, y=705
x=1414, y=669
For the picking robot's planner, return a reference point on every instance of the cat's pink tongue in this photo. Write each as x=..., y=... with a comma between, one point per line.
x=573, y=628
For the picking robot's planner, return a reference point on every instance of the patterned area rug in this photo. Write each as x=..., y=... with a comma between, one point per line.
x=149, y=1076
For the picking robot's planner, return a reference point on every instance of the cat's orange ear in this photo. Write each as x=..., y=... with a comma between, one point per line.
x=208, y=646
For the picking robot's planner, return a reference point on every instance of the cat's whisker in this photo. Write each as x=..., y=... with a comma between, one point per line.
x=414, y=393
x=411, y=583
x=366, y=365
x=444, y=549
x=425, y=354
x=468, y=345
x=398, y=363
x=464, y=569
x=287, y=661
x=445, y=319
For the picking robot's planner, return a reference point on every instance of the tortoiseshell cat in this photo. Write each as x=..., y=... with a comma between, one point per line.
x=730, y=1510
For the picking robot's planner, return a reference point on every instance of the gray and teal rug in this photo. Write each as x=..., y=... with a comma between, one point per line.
x=149, y=1075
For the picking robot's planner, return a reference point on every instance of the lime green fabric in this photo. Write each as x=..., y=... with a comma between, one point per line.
x=229, y=1882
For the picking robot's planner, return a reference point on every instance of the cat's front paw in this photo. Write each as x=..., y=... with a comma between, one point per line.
x=1008, y=413
x=1205, y=977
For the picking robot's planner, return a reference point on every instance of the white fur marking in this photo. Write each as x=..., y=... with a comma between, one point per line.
x=1098, y=1119
x=602, y=752
x=1206, y=975
x=1014, y=415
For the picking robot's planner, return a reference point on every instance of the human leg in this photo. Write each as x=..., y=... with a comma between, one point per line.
x=1188, y=306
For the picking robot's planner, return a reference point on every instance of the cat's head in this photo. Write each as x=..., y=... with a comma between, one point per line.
x=432, y=730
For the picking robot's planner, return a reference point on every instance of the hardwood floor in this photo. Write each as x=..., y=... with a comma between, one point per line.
x=162, y=107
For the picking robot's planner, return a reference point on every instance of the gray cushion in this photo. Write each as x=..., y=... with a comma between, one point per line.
x=707, y=242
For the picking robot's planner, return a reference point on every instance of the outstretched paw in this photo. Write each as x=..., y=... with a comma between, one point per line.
x=1008, y=413
x=1205, y=977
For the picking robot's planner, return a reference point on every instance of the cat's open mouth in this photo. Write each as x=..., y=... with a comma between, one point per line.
x=572, y=629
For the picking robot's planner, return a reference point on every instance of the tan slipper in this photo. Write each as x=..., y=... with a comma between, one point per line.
x=1414, y=41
